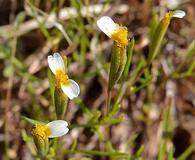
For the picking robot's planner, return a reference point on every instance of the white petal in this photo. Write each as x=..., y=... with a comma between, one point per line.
x=179, y=14
x=51, y=63
x=107, y=25
x=172, y=4
x=72, y=89
x=56, y=62
x=58, y=128
x=59, y=60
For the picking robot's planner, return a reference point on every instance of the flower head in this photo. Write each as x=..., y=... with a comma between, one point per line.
x=172, y=14
x=53, y=129
x=176, y=14
x=68, y=86
x=113, y=30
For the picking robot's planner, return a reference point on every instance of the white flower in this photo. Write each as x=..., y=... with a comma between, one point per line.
x=68, y=86
x=113, y=30
x=53, y=129
x=178, y=14
x=173, y=14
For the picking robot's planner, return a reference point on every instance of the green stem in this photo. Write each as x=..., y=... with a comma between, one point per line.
x=97, y=153
x=117, y=99
x=108, y=102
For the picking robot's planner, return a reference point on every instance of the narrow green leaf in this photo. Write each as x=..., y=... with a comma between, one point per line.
x=167, y=132
x=42, y=26
x=110, y=120
x=115, y=109
x=96, y=116
x=138, y=68
x=32, y=121
x=187, y=152
x=74, y=145
x=191, y=50
x=60, y=103
x=189, y=56
x=114, y=66
x=171, y=152
x=97, y=153
x=118, y=62
x=162, y=150
x=153, y=24
x=139, y=151
x=16, y=62
x=19, y=19
x=131, y=140
x=129, y=58
x=4, y=52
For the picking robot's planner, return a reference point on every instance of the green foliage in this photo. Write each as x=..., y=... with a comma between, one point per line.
x=130, y=75
x=60, y=103
x=118, y=61
x=166, y=133
x=129, y=58
x=31, y=121
x=187, y=152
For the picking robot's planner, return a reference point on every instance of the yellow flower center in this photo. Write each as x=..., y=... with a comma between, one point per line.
x=169, y=14
x=120, y=35
x=41, y=131
x=61, y=78
x=167, y=18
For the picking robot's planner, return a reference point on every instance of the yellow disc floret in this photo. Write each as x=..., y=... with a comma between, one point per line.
x=167, y=18
x=61, y=78
x=41, y=132
x=120, y=36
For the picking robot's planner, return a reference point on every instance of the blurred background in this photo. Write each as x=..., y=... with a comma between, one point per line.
x=32, y=30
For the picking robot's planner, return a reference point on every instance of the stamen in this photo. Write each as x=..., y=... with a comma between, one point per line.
x=120, y=35
x=61, y=78
x=41, y=132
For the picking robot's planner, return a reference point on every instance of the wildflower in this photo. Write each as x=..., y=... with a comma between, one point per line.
x=160, y=31
x=176, y=14
x=113, y=30
x=53, y=129
x=119, y=34
x=68, y=86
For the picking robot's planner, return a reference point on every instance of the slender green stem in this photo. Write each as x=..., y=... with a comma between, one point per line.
x=117, y=99
x=187, y=152
x=108, y=102
x=97, y=153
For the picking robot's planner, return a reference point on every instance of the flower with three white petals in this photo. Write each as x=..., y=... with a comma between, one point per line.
x=52, y=129
x=68, y=86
